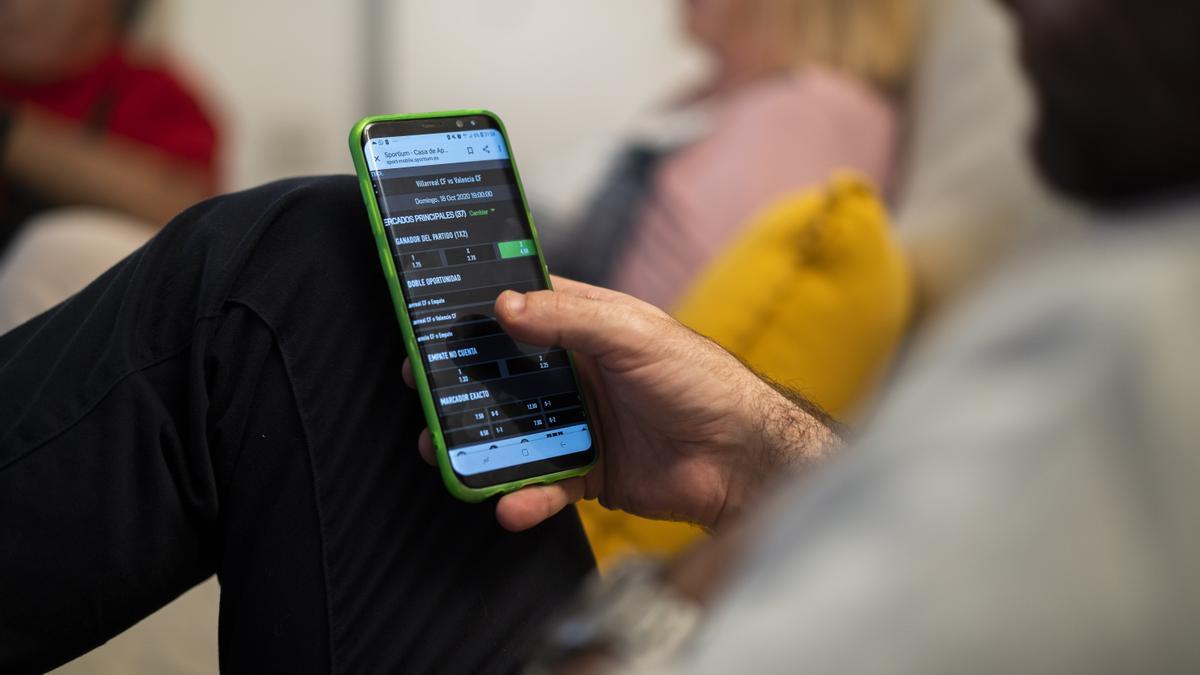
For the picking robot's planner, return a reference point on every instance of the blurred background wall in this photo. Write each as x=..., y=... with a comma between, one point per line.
x=287, y=103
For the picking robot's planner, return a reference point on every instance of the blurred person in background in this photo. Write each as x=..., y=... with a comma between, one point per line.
x=98, y=147
x=1024, y=500
x=798, y=90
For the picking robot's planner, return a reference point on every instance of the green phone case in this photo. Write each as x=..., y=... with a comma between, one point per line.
x=456, y=487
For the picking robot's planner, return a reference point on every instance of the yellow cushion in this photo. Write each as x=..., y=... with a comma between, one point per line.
x=816, y=295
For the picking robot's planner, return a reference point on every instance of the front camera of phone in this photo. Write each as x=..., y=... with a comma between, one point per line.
x=459, y=124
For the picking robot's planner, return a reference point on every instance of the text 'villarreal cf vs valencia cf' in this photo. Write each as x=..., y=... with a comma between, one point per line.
x=460, y=236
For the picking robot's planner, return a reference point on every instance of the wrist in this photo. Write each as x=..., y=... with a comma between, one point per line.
x=783, y=434
x=794, y=432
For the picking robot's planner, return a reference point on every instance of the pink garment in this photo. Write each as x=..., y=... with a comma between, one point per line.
x=769, y=140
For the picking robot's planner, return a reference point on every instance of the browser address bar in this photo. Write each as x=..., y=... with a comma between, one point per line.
x=407, y=152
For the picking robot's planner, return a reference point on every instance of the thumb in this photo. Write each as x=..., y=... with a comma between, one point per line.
x=594, y=326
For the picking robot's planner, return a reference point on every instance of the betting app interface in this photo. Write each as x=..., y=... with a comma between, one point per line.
x=460, y=236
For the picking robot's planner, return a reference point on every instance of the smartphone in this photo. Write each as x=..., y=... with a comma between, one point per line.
x=454, y=230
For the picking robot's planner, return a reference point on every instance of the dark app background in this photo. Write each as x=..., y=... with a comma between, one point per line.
x=459, y=236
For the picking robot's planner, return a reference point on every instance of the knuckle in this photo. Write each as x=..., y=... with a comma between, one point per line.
x=548, y=504
x=542, y=303
x=559, y=303
x=643, y=323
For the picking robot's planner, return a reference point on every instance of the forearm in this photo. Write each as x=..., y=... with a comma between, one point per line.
x=73, y=167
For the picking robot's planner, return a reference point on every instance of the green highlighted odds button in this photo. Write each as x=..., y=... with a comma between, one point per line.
x=516, y=249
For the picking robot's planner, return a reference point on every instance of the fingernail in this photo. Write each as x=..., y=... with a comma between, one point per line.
x=515, y=302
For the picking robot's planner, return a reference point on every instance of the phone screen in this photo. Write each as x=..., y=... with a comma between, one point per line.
x=460, y=235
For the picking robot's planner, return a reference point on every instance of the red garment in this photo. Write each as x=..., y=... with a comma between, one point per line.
x=142, y=103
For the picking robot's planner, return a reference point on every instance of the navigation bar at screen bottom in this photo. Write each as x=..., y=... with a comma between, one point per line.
x=501, y=454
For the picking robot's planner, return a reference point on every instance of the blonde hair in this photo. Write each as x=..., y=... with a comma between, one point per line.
x=872, y=40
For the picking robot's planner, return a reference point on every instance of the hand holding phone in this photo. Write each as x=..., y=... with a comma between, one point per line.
x=689, y=432
x=453, y=231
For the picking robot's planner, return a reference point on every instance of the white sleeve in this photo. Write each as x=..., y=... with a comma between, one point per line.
x=1024, y=502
